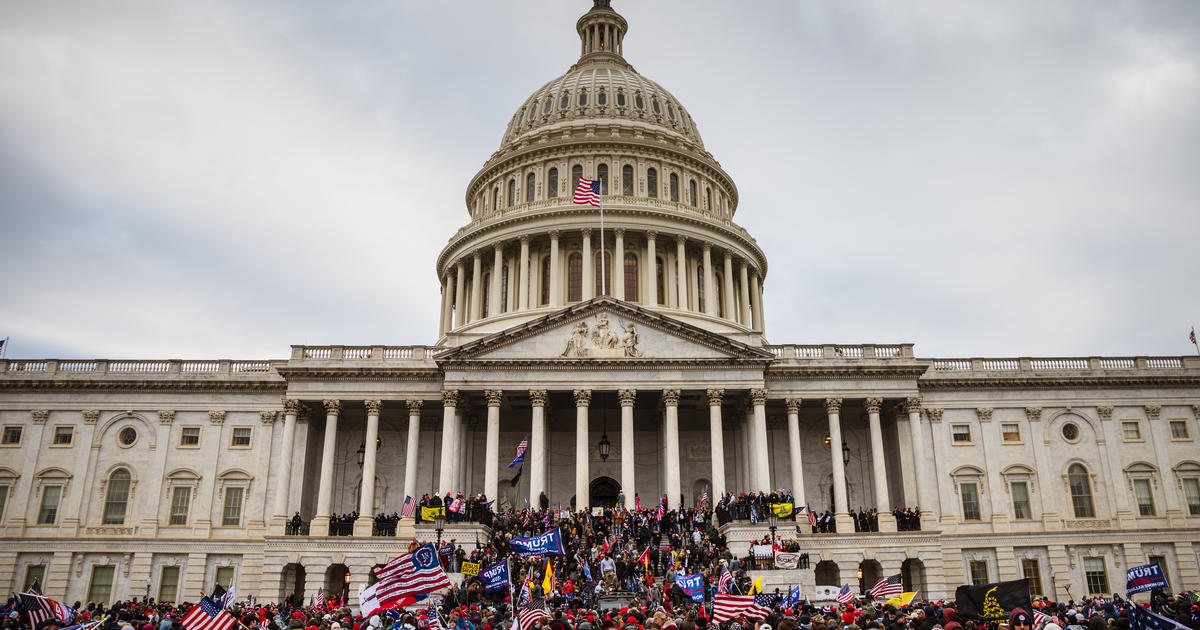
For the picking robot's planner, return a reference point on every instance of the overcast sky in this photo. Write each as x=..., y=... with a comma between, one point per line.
x=223, y=179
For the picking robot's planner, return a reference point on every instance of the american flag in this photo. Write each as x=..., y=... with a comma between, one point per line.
x=812, y=518
x=845, y=596
x=408, y=575
x=408, y=508
x=724, y=580
x=887, y=587
x=1039, y=620
x=1191, y=335
x=37, y=608
x=660, y=512
x=435, y=620
x=726, y=607
x=637, y=503
x=533, y=610
x=520, y=452
x=588, y=192
x=208, y=615
x=704, y=499
x=1143, y=619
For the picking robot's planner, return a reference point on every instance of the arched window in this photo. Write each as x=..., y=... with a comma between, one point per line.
x=631, y=277
x=546, y=281
x=700, y=287
x=638, y=102
x=583, y=98
x=116, y=497
x=496, y=205
x=655, y=105
x=707, y=198
x=566, y=100
x=674, y=187
x=605, y=284
x=512, y=192
x=576, y=175
x=660, y=281
x=620, y=99
x=670, y=111
x=1081, y=491
x=652, y=183
x=552, y=183
x=692, y=192
x=720, y=291
x=504, y=289
x=520, y=118
x=601, y=98
x=530, y=191
x=549, y=103
x=487, y=292
x=627, y=180
x=602, y=175
x=575, y=277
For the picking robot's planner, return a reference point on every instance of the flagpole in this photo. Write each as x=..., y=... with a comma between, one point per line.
x=603, y=276
x=4, y=348
x=602, y=238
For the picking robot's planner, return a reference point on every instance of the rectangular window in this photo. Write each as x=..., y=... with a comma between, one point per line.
x=970, y=501
x=1010, y=432
x=168, y=584
x=232, y=514
x=11, y=436
x=961, y=433
x=1020, y=498
x=1191, y=490
x=48, y=513
x=181, y=500
x=241, y=437
x=1145, y=499
x=1161, y=561
x=1097, y=576
x=190, y=436
x=1131, y=430
x=63, y=436
x=100, y=588
x=979, y=572
x=35, y=573
x=1179, y=430
x=1032, y=572
x=225, y=576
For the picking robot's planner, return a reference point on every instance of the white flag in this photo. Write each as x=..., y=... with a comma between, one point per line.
x=368, y=603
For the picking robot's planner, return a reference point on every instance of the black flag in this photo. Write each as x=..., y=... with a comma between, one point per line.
x=993, y=602
x=517, y=477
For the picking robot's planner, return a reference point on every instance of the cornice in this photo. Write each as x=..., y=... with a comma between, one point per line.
x=834, y=372
x=600, y=365
x=358, y=373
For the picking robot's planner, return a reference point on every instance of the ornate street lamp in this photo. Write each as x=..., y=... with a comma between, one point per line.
x=845, y=454
x=439, y=523
x=773, y=522
x=605, y=447
x=362, y=450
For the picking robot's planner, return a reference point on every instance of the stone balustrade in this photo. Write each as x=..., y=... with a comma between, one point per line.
x=788, y=352
x=356, y=355
x=1034, y=365
x=124, y=368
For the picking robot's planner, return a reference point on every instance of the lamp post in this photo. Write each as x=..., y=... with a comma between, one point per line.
x=439, y=524
x=772, y=522
x=362, y=450
x=605, y=447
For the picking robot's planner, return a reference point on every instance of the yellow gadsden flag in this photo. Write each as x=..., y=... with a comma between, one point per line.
x=427, y=513
x=782, y=510
x=548, y=581
x=756, y=587
x=903, y=599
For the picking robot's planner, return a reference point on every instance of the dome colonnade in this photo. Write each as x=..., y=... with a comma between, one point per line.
x=670, y=243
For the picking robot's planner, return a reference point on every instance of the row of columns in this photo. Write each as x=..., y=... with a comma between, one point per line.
x=743, y=304
x=758, y=467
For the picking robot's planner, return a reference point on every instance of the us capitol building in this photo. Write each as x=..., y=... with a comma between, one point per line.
x=125, y=478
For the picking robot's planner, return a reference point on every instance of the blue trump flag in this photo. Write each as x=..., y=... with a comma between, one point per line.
x=495, y=577
x=1142, y=619
x=548, y=544
x=1144, y=578
x=693, y=585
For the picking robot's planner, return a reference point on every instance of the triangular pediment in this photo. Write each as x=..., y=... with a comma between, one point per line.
x=605, y=329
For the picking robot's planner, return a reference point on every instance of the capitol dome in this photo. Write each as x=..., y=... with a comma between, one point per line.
x=667, y=242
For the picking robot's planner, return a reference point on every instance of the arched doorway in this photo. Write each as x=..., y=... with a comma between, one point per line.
x=604, y=491
x=337, y=581
x=292, y=581
x=698, y=489
x=827, y=574
x=869, y=572
x=912, y=575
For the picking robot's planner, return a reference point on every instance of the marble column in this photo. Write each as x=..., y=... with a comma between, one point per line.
x=523, y=289
x=745, y=280
x=449, y=442
x=325, y=485
x=883, y=503
x=583, y=399
x=476, y=286
x=589, y=266
x=793, y=418
x=460, y=284
x=283, y=473
x=628, y=448
x=762, y=463
x=366, y=493
x=555, y=271
x=445, y=309
x=494, y=306
x=756, y=284
x=651, y=271
x=926, y=487
x=716, y=442
x=710, y=289
x=617, y=273
x=727, y=290
x=491, y=471
x=670, y=398
x=681, y=277
x=537, y=446
x=833, y=407
x=410, y=448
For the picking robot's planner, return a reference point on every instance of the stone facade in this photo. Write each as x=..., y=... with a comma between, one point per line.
x=120, y=478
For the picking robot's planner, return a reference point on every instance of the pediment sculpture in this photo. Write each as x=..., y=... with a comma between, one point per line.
x=599, y=341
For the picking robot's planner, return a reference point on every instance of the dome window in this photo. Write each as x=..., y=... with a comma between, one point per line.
x=692, y=192
x=674, y=187
x=654, y=104
x=620, y=99
x=583, y=98
x=512, y=192
x=566, y=100
x=627, y=180
x=575, y=277
x=520, y=118
x=548, y=104
x=602, y=98
x=602, y=175
x=530, y=187
x=638, y=102
x=652, y=183
x=671, y=111
x=576, y=175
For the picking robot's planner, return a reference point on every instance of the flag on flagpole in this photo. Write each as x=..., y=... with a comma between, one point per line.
x=704, y=498
x=548, y=581
x=588, y=192
x=756, y=586
x=1191, y=335
x=724, y=580
x=520, y=452
x=409, y=575
x=208, y=615
x=887, y=587
x=726, y=607
x=408, y=508
x=435, y=620
x=645, y=558
x=532, y=611
x=37, y=608
x=812, y=518
x=845, y=596
x=368, y=603
x=637, y=503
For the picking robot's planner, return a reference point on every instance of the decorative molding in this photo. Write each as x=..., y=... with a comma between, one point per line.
x=290, y=406
x=758, y=396
x=1152, y=411
x=873, y=404
x=1088, y=524
x=984, y=413
x=414, y=406
x=303, y=413
x=1105, y=412
x=715, y=396
x=833, y=405
x=934, y=413
x=332, y=406
x=40, y=416
x=269, y=416
x=166, y=416
x=450, y=398
x=1033, y=414
x=583, y=397
x=374, y=406
x=627, y=397
x=493, y=396
x=670, y=397
x=913, y=404
x=793, y=405
x=216, y=417
x=90, y=416
x=538, y=397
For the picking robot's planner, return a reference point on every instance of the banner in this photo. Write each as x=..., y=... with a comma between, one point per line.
x=548, y=544
x=993, y=601
x=693, y=585
x=787, y=560
x=470, y=568
x=495, y=577
x=782, y=510
x=762, y=552
x=1144, y=578
x=427, y=513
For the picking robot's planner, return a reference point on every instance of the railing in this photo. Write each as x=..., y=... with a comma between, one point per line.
x=250, y=366
x=1159, y=364
x=200, y=367
x=951, y=365
x=1116, y=364
x=841, y=351
x=27, y=366
x=76, y=366
x=341, y=527
x=364, y=353
x=383, y=528
x=317, y=353
x=139, y=366
x=1001, y=364
x=1065, y=364
x=296, y=528
x=1058, y=364
x=123, y=367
